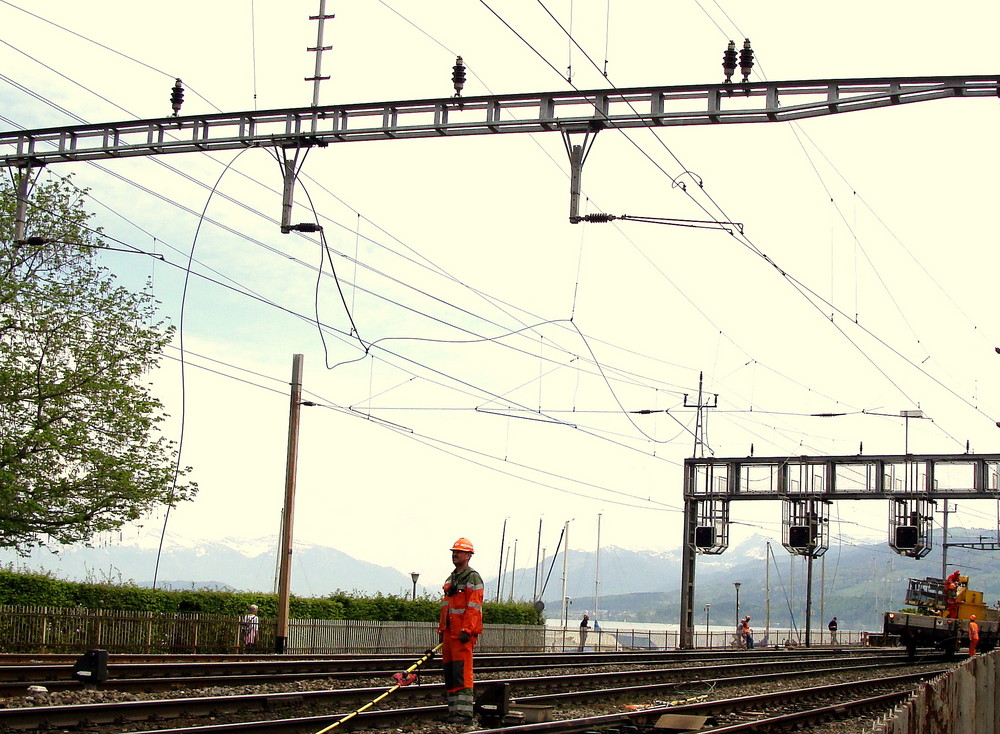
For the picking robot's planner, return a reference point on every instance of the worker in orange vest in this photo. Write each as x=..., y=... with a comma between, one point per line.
x=459, y=626
x=973, y=634
x=951, y=594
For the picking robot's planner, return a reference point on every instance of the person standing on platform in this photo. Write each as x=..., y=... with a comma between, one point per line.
x=833, y=631
x=459, y=626
x=584, y=626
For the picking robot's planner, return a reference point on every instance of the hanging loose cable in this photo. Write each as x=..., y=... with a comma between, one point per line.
x=180, y=336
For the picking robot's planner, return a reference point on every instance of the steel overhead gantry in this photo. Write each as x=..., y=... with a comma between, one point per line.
x=907, y=480
x=570, y=113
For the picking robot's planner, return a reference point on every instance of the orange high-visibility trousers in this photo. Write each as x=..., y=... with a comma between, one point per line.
x=456, y=661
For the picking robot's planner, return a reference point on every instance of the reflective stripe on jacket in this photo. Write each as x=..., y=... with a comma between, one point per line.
x=462, y=604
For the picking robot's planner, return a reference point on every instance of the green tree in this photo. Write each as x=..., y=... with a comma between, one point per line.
x=80, y=446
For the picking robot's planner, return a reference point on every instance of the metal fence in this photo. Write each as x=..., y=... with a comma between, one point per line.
x=339, y=636
x=70, y=630
x=610, y=640
x=28, y=629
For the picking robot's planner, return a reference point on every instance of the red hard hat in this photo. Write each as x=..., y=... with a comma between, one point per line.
x=972, y=617
x=463, y=544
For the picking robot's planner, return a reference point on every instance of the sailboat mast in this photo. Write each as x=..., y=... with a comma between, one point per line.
x=767, y=592
x=597, y=568
x=565, y=606
x=503, y=538
x=538, y=560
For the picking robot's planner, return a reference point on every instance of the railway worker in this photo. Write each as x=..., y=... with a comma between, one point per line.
x=459, y=626
x=833, y=631
x=747, y=633
x=951, y=593
x=973, y=634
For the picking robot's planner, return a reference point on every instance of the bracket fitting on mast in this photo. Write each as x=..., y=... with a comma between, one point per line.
x=577, y=156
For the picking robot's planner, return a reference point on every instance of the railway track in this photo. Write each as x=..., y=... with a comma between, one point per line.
x=778, y=711
x=214, y=713
x=149, y=674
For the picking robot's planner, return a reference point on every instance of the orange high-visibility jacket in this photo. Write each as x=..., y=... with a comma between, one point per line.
x=462, y=604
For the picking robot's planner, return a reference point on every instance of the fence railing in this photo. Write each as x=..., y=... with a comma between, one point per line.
x=28, y=629
x=338, y=636
x=606, y=640
x=31, y=629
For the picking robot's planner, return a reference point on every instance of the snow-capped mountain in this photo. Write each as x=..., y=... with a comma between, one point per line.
x=231, y=563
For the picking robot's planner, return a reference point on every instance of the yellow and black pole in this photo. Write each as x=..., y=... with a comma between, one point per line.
x=402, y=679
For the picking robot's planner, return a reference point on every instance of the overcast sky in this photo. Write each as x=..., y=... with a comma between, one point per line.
x=477, y=357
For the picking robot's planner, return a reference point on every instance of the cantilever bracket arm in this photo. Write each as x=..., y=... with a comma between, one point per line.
x=577, y=156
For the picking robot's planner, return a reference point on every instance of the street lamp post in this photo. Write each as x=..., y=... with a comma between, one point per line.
x=737, y=585
x=708, y=642
x=413, y=577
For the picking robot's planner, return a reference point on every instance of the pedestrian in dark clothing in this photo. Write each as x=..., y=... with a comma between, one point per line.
x=584, y=626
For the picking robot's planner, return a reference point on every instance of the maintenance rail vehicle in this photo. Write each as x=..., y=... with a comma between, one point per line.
x=943, y=610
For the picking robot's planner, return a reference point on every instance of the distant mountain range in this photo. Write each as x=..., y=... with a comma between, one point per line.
x=229, y=564
x=857, y=583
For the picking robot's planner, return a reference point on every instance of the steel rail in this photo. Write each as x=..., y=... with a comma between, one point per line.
x=158, y=677
x=125, y=667
x=389, y=717
x=648, y=716
x=835, y=711
x=8, y=660
x=625, y=681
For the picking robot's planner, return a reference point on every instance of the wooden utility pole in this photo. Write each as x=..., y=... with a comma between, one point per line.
x=291, y=463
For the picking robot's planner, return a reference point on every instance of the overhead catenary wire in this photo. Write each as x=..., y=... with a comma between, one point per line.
x=438, y=442
x=180, y=331
x=798, y=285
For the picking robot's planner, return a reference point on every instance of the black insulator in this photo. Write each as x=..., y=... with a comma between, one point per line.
x=746, y=59
x=177, y=97
x=458, y=76
x=729, y=61
x=599, y=218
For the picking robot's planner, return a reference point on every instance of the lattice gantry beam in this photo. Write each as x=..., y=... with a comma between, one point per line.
x=935, y=476
x=517, y=113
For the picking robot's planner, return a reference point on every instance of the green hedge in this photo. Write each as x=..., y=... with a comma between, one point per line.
x=26, y=589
